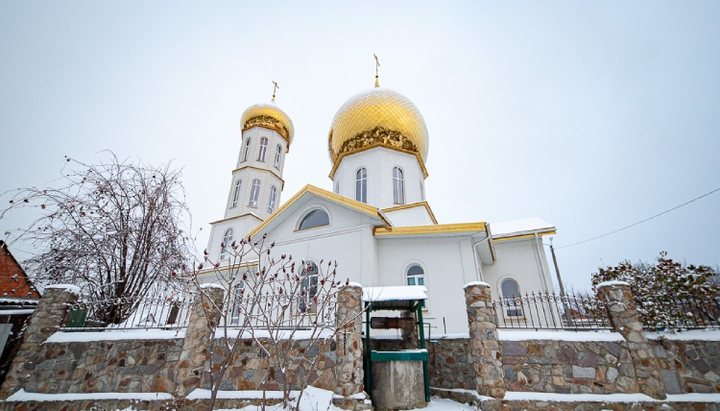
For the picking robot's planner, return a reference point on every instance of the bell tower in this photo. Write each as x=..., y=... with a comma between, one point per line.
x=257, y=180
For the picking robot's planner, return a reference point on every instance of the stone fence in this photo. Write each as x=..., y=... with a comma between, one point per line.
x=177, y=363
x=495, y=368
x=492, y=362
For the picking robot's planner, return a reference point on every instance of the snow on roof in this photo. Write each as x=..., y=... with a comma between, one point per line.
x=518, y=227
x=395, y=293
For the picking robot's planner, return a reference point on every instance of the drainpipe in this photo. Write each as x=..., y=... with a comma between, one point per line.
x=478, y=271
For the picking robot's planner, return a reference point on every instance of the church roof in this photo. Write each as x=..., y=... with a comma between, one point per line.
x=521, y=228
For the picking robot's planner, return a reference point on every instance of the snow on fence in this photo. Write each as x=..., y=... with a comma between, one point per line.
x=161, y=310
x=687, y=313
x=552, y=311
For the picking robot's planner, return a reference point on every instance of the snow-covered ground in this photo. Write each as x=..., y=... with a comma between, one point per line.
x=315, y=399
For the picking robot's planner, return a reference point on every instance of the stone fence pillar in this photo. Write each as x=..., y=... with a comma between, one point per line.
x=484, y=343
x=625, y=320
x=48, y=316
x=205, y=314
x=349, y=351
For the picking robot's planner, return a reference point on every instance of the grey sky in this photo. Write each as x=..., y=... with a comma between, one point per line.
x=590, y=115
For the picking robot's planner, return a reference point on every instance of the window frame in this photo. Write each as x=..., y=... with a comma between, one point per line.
x=310, y=212
x=361, y=185
x=415, y=277
x=236, y=194
x=398, y=186
x=309, y=280
x=237, y=302
x=262, y=153
x=246, y=153
x=254, y=193
x=272, y=199
x=226, y=243
x=278, y=156
x=513, y=311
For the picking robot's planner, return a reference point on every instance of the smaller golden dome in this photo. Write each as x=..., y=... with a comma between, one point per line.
x=378, y=116
x=268, y=115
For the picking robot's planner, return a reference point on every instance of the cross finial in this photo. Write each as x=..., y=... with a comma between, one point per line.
x=275, y=87
x=377, y=65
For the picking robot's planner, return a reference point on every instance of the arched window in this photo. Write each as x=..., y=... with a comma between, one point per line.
x=398, y=186
x=278, y=154
x=271, y=203
x=247, y=149
x=415, y=275
x=236, y=193
x=315, y=218
x=254, y=193
x=309, y=287
x=361, y=185
x=263, y=149
x=226, y=244
x=237, y=303
x=511, y=295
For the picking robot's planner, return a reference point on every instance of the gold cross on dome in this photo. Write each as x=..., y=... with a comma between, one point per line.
x=377, y=65
x=275, y=87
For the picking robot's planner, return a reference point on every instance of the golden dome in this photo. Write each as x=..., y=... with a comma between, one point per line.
x=268, y=115
x=378, y=117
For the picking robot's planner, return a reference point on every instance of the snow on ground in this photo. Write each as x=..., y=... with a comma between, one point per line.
x=315, y=399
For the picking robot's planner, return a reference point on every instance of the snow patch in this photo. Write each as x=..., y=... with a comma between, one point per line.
x=611, y=283
x=690, y=335
x=67, y=287
x=203, y=394
x=212, y=285
x=471, y=283
x=354, y=284
x=634, y=397
x=394, y=293
x=529, y=335
x=553, y=397
x=82, y=336
x=22, y=395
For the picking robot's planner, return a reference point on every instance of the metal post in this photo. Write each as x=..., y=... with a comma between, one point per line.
x=563, y=297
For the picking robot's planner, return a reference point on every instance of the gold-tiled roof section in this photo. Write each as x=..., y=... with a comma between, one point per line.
x=268, y=115
x=378, y=116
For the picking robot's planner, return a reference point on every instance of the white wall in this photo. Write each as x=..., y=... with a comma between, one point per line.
x=379, y=163
x=524, y=261
x=448, y=266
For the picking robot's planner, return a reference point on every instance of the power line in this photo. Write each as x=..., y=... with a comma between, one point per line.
x=641, y=221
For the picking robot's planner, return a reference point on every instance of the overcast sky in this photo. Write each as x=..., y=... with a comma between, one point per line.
x=590, y=115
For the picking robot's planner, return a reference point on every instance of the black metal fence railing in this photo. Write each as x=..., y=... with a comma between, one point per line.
x=551, y=311
x=281, y=312
x=681, y=314
x=165, y=311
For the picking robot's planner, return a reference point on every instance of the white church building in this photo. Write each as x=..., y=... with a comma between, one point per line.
x=376, y=223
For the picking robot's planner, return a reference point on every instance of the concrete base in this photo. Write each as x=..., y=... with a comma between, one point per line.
x=398, y=385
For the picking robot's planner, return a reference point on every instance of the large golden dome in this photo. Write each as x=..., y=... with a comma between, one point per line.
x=378, y=117
x=268, y=115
